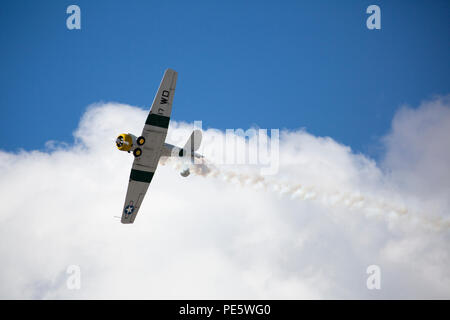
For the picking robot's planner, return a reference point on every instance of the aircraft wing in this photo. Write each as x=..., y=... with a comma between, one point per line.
x=154, y=132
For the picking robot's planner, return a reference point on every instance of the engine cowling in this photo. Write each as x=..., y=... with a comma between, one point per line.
x=126, y=142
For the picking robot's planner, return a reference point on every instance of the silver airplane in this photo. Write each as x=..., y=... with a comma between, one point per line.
x=150, y=146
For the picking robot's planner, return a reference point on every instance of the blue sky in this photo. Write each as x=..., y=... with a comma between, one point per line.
x=290, y=64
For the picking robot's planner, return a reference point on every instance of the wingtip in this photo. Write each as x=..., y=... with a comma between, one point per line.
x=171, y=70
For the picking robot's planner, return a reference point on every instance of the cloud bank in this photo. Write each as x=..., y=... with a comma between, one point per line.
x=311, y=231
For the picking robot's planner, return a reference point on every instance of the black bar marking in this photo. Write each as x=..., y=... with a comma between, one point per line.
x=157, y=120
x=142, y=176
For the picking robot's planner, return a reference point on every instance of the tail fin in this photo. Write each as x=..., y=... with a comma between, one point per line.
x=193, y=143
x=189, y=149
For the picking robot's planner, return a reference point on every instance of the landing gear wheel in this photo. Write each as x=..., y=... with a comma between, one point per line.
x=137, y=152
x=140, y=141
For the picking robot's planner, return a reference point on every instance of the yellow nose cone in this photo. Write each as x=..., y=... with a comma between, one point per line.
x=124, y=142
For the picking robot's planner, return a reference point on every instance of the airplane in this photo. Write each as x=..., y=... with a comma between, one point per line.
x=150, y=146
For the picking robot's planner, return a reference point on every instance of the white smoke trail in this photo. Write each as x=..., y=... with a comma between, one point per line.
x=371, y=206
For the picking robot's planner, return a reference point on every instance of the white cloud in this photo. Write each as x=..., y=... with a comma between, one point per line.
x=200, y=237
x=418, y=152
